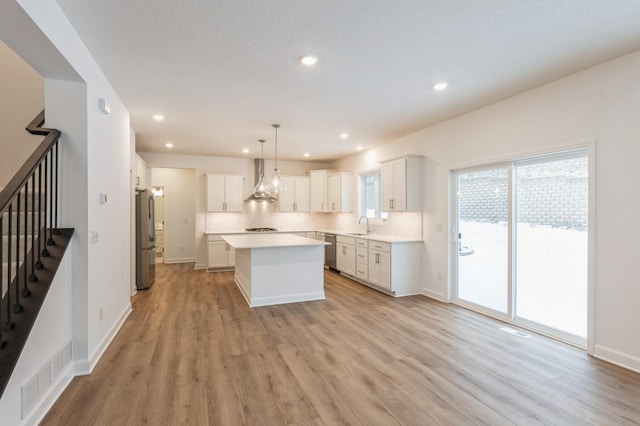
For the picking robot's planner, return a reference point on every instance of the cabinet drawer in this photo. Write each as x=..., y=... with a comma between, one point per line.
x=362, y=243
x=362, y=255
x=362, y=271
x=377, y=245
x=346, y=240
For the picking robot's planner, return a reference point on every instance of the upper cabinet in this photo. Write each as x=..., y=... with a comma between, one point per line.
x=296, y=197
x=340, y=193
x=331, y=191
x=319, y=199
x=401, y=184
x=143, y=174
x=224, y=193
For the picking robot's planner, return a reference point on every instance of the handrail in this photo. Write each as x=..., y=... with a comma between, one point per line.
x=33, y=162
x=28, y=259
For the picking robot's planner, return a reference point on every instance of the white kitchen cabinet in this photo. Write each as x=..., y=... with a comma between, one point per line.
x=220, y=254
x=224, y=193
x=401, y=183
x=143, y=174
x=346, y=255
x=318, y=186
x=296, y=197
x=362, y=259
x=380, y=265
x=340, y=192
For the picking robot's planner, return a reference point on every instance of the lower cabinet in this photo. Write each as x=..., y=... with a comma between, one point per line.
x=393, y=268
x=380, y=268
x=220, y=254
x=346, y=255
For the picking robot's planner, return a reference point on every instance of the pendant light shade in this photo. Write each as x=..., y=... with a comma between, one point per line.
x=261, y=189
x=276, y=185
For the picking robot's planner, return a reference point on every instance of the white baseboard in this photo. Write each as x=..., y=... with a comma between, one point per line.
x=200, y=266
x=180, y=260
x=44, y=404
x=618, y=358
x=84, y=367
x=434, y=295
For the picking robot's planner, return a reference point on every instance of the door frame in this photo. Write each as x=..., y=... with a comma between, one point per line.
x=590, y=149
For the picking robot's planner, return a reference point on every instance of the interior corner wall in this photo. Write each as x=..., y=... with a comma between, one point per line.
x=598, y=104
x=98, y=152
x=66, y=109
x=22, y=92
x=180, y=212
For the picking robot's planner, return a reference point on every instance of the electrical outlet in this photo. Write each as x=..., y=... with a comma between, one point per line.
x=95, y=237
x=100, y=314
x=439, y=227
x=181, y=248
x=439, y=276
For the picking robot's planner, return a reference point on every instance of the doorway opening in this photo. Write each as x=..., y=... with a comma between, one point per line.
x=522, y=242
x=158, y=196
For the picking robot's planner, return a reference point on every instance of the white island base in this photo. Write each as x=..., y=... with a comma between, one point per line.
x=275, y=269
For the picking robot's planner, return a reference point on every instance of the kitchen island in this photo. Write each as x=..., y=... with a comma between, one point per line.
x=272, y=269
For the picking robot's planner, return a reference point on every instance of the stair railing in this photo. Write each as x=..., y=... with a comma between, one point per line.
x=28, y=211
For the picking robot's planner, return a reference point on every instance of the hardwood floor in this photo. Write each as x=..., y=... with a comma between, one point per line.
x=193, y=353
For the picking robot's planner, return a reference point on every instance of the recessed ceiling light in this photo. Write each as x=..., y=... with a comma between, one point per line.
x=360, y=147
x=440, y=85
x=245, y=150
x=306, y=154
x=308, y=59
x=158, y=117
x=168, y=145
x=344, y=135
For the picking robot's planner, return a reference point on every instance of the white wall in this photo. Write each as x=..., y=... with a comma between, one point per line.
x=50, y=332
x=180, y=212
x=95, y=157
x=600, y=104
x=22, y=94
x=253, y=215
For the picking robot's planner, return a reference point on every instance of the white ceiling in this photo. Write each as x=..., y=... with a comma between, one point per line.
x=222, y=71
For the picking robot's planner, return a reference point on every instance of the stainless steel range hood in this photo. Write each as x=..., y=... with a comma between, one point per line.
x=258, y=164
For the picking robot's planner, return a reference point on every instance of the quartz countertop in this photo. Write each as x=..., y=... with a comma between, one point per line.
x=252, y=240
x=370, y=236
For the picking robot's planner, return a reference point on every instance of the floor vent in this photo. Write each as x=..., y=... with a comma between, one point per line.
x=516, y=332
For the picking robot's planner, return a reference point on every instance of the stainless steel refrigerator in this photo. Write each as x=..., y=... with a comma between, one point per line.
x=145, y=240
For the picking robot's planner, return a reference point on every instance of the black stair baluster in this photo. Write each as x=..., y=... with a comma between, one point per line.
x=55, y=209
x=3, y=342
x=9, y=325
x=17, y=307
x=39, y=264
x=25, y=289
x=33, y=277
x=51, y=241
x=45, y=252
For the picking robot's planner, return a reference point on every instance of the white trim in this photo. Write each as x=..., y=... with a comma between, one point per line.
x=278, y=300
x=436, y=295
x=591, y=248
x=180, y=260
x=44, y=404
x=84, y=367
x=616, y=357
x=200, y=266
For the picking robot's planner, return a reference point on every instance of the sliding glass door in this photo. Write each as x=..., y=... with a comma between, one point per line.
x=551, y=243
x=521, y=242
x=483, y=238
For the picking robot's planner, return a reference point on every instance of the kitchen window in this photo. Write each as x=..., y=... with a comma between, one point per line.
x=371, y=195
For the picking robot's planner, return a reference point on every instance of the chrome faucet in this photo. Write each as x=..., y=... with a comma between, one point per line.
x=360, y=221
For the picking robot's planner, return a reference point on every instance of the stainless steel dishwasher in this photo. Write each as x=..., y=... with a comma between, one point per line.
x=330, y=251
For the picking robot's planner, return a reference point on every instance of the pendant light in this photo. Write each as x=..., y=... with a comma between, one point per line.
x=261, y=189
x=276, y=185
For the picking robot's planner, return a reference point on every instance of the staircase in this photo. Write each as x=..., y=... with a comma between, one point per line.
x=32, y=245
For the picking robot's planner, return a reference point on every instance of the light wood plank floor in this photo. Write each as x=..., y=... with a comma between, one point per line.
x=193, y=353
